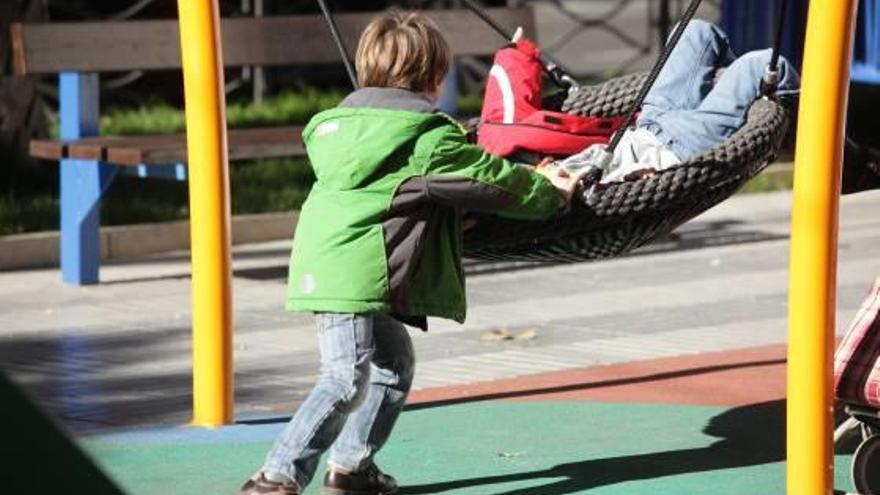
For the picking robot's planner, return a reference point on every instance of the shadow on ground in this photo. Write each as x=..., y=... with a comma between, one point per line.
x=695, y=235
x=94, y=381
x=748, y=435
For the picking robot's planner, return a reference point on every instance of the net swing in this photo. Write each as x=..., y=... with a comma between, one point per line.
x=610, y=219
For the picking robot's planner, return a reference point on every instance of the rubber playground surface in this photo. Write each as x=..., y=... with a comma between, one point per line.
x=710, y=423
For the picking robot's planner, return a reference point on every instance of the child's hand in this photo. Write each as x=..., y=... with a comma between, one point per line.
x=565, y=183
x=642, y=173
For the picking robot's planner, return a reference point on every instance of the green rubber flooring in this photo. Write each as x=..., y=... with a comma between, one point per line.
x=511, y=448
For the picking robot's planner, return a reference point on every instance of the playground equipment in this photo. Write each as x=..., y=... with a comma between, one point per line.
x=812, y=284
x=618, y=217
x=209, y=212
x=610, y=219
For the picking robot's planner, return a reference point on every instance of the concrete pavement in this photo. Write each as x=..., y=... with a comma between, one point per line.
x=118, y=353
x=107, y=358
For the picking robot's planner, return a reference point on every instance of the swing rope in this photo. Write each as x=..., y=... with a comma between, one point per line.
x=616, y=218
x=652, y=76
x=566, y=81
x=770, y=82
x=557, y=75
x=625, y=215
x=340, y=44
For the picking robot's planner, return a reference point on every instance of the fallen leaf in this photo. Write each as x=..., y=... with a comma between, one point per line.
x=496, y=335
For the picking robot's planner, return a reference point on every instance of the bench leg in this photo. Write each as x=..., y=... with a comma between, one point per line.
x=82, y=181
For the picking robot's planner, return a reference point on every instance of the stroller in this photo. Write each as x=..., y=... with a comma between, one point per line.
x=857, y=388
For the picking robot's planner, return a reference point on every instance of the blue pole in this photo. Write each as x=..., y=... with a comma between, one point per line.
x=82, y=181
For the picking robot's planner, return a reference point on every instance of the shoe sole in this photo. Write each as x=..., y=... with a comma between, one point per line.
x=338, y=491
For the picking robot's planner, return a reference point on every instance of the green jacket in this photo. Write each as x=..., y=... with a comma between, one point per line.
x=381, y=228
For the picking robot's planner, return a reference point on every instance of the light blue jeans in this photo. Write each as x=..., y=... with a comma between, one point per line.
x=687, y=109
x=367, y=364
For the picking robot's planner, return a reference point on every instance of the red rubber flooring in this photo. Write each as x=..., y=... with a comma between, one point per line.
x=729, y=378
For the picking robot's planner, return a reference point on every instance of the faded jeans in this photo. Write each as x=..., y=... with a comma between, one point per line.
x=688, y=110
x=367, y=364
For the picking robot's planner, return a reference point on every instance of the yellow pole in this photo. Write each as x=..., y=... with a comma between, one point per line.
x=209, y=211
x=812, y=283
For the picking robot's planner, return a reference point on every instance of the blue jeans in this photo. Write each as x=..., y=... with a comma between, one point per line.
x=688, y=110
x=367, y=364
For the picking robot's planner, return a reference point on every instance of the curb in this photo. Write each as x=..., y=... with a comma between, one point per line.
x=41, y=249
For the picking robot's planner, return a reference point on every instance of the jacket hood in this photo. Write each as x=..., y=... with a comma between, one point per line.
x=348, y=144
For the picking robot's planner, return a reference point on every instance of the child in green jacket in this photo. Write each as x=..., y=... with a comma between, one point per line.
x=378, y=243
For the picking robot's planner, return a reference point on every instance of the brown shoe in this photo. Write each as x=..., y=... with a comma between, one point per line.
x=259, y=485
x=369, y=481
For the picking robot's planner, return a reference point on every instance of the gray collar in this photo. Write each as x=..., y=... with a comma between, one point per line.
x=390, y=99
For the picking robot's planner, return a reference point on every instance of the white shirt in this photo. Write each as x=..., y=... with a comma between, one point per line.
x=639, y=149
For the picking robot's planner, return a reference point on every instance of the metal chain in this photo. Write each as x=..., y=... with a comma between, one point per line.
x=340, y=44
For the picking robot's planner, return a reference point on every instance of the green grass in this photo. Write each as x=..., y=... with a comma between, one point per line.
x=777, y=177
x=270, y=185
x=160, y=118
x=29, y=214
x=258, y=186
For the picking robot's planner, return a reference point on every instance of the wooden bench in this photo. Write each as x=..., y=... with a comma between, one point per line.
x=148, y=151
x=78, y=52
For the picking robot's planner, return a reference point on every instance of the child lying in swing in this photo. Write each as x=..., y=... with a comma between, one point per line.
x=698, y=101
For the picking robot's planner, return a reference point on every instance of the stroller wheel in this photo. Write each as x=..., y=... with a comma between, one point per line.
x=846, y=429
x=866, y=467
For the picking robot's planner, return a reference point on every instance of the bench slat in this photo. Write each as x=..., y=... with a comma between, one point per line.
x=47, y=149
x=268, y=41
x=95, y=148
x=53, y=149
x=244, y=144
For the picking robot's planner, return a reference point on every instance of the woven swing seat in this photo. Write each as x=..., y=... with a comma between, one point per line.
x=618, y=217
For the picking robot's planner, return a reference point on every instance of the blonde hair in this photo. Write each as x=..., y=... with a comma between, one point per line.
x=403, y=50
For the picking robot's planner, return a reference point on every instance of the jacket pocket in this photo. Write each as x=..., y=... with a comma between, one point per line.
x=346, y=264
